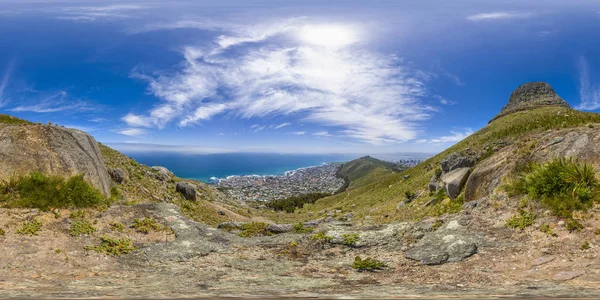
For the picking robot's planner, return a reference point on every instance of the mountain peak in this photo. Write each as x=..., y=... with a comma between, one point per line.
x=531, y=95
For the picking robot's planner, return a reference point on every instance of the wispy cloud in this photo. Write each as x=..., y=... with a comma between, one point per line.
x=589, y=95
x=133, y=131
x=322, y=133
x=95, y=13
x=298, y=132
x=315, y=71
x=282, y=125
x=453, y=137
x=58, y=102
x=4, y=83
x=497, y=16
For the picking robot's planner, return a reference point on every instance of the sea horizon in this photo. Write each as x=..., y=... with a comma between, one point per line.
x=207, y=167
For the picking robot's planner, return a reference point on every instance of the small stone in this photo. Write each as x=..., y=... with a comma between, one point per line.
x=405, y=177
x=222, y=213
x=561, y=223
x=546, y=251
x=400, y=205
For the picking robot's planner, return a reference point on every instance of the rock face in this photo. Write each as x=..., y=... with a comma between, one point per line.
x=118, y=175
x=188, y=190
x=52, y=150
x=162, y=173
x=455, y=161
x=531, y=95
x=454, y=181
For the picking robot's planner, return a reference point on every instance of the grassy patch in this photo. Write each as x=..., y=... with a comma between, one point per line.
x=573, y=225
x=300, y=228
x=254, y=229
x=146, y=225
x=367, y=264
x=521, y=220
x=2, y=232
x=563, y=185
x=290, y=204
x=585, y=246
x=30, y=227
x=81, y=227
x=350, y=239
x=10, y=120
x=545, y=228
x=44, y=192
x=117, y=227
x=113, y=246
x=321, y=236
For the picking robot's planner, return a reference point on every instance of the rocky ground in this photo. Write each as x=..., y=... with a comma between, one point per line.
x=471, y=253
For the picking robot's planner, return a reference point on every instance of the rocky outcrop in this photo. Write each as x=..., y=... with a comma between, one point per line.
x=52, y=150
x=454, y=181
x=531, y=95
x=188, y=190
x=162, y=173
x=118, y=175
x=455, y=161
x=451, y=243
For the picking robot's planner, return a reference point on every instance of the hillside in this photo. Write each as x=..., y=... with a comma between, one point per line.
x=356, y=172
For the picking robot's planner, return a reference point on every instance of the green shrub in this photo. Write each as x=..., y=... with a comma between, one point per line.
x=117, y=227
x=438, y=173
x=45, y=192
x=585, y=246
x=146, y=225
x=300, y=228
x=77, y=215
x=563, y=185
x=254, y=229
x=321, y=236
x=113, y=246
x=597, y=232
x=522, y=220
x=410, y=196
x=30, y=227
x=81, y=228
x=290, y=204
x=2, y=232
x=350, y=239
x=367, y=264
x=573, y=225
x=545, y=228
x=437, y=224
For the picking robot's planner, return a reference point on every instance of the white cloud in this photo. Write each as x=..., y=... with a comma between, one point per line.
x=282, y=125
x=133, y=132
x=58, y=102
x=322, y=133
x=589, y=96
x=4, y=83
x=497, y=16
x=373, y=96
x=454, y=137
x=298, y=132
x=257, y=128
x=94, y=13
x=444, y=101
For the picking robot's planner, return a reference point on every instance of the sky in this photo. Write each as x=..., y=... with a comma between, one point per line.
x=300, y=76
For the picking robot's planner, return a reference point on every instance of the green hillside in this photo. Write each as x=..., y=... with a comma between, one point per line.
x=356, y=172
x=382, y=191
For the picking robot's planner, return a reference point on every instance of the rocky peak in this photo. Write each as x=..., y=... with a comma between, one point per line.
x=531, y=95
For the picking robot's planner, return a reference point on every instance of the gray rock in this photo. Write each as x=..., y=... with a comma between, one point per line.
x=221, y=213
x=433, y=184
x=405, y=177
x=401, y=205
x=231, y=225
x=52, y=150
x=542, y=260
x=456, y=161
x=118, y=175
x=567, y=275
x=454, y=181
x=279, y=228
x=531, y=95
x=162, y=173
x=188, y=190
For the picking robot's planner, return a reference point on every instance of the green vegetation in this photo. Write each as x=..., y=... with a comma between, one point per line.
x=77, y=215
x=437, y=224
x=81, y=227
x=117, y=227
x=113, y=246
x=321, y=237
x=290, y=204
x=146, y=225
x=563, y=185
x=521, y=220
x=30, y=227
x=2, y=232
x=573, y=225
x=585, y=246
x=300, y=228
x=597, y=232
x=350, y=239
x=10, y=120
x=44, y=192
x=355, y=172
x=367, y=264
x=254, y=229
x=545, y=228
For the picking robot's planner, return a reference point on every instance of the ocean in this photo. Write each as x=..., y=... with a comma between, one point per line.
x=203, y=167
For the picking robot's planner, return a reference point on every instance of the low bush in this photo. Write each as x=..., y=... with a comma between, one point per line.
x=300, y=228
x=2, y=232
x=146, y=225
x=350, y=239
x=545, y=228
x=81, y=227
x=563, y=185
x=290, y=204
x=573, y=225
x=30, y=227
x=321, y=236
x=585, y=246
x=117, y=227
x=367, y=264
x=521, y=220
x=44, y=192
x=254, y=229
x=113, y=246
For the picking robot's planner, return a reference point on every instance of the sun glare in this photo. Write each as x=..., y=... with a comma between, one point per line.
x=332, y=36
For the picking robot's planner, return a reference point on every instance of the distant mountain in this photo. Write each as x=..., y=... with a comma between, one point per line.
x=354, y=172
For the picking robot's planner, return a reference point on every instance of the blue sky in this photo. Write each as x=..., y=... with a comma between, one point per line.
x=289, y=76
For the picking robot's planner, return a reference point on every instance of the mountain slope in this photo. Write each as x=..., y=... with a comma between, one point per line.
x=355, y=172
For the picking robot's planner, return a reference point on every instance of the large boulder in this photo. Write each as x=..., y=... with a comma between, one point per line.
x=454, y=181
x=488, y=174
x=118, y=175
x=188, y=190
x=52, y=150
x=162, y=173
x=456, y=161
